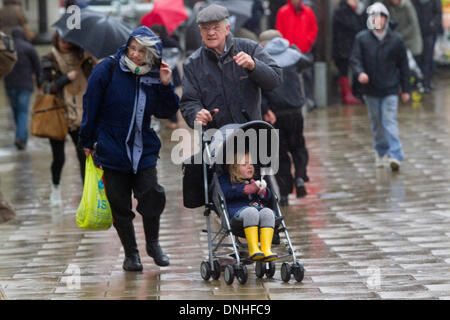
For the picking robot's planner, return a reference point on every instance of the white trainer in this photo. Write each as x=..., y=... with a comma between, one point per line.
x=55, y=195
x=395, y=164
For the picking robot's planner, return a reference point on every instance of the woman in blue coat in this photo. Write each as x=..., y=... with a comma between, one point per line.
x=123, y=93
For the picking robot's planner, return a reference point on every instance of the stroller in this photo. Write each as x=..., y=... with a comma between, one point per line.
x=201, y=187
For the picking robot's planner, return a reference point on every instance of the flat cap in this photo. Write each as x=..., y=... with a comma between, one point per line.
x=212, y=13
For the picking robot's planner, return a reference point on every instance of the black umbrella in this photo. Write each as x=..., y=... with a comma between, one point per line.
x=240, y=11
x=99, y=34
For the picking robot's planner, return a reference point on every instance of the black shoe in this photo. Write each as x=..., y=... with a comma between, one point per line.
x=20, y=144
x=132, y=263
x=300, y=188
x=154, y=250
x=284, y=202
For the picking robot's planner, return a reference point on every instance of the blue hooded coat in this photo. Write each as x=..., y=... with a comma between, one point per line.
x=117, y=110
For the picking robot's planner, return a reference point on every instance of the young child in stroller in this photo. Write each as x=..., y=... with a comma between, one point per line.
x=246, y=200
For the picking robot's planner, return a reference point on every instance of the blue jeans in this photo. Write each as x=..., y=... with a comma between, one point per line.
x=20, y=103
x=384, y=124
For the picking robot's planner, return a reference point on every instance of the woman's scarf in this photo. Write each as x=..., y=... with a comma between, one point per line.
x=73, y=92
x=134, y=68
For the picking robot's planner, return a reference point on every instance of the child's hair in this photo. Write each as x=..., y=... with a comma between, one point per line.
x=233, y=168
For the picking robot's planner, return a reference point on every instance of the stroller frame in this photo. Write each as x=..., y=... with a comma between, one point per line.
x=212, y=267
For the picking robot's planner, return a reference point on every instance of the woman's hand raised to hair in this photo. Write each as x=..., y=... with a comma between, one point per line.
x=165, y=73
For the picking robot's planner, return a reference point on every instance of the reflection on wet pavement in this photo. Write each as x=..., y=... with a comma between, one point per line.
x=361, y=233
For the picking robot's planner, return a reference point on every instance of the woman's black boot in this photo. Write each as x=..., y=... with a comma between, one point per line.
x=151, y=230
x=126, y=234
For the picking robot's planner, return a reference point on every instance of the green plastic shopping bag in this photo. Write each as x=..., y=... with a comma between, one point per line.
x=94, y=211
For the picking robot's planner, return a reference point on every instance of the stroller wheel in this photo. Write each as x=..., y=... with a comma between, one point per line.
x=229, y=274
x=260, y=269
x=270, y=269
x=285, y=272
x=242, y=274
x=298, y=271
x=216, y=272
x=205, y=270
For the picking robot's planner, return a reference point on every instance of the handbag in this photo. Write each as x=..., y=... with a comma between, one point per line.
x=193, y=184
x=48, y=119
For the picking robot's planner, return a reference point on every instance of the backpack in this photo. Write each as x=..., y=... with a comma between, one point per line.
x=8, y=54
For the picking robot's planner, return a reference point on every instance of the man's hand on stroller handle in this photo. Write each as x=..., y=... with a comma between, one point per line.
x=204, y=116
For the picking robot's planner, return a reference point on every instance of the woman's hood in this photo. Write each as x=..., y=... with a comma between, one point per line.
x=142, y=32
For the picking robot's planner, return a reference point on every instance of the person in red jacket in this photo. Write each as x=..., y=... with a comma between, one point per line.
x=297, y=23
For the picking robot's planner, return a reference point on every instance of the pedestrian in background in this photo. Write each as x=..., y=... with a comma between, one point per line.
x=19, y=85
x=379, y=60
x=297, y=23
x=123, y=93
x=253, y=24
x=346, y=24
x=429, y=13
x=404, y=16
x=65, y=71
x=11, y=16
x=274, y=6
x=286, y=102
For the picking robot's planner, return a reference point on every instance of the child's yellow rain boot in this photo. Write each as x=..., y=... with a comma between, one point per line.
x=266, y=244
x=251, y=234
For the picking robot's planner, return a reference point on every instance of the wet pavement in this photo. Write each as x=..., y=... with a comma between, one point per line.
x=361, y=233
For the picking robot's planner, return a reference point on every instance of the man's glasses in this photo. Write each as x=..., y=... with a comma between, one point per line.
x=214, y=28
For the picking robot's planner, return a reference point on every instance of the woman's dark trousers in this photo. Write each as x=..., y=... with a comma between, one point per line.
x=151, y=202
x=59, y=156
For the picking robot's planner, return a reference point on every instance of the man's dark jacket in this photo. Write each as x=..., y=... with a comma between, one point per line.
x=385, y=62
x=211, y=82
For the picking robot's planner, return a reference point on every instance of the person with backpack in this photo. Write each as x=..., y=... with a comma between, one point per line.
x=123, y=93
x=286, y=102
x=19, y=84
x=12, y=15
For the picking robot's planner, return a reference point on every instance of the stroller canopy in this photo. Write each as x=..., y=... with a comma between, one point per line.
x=259, y=138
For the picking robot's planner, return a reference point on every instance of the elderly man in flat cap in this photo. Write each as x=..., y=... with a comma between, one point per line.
x=223, y=79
